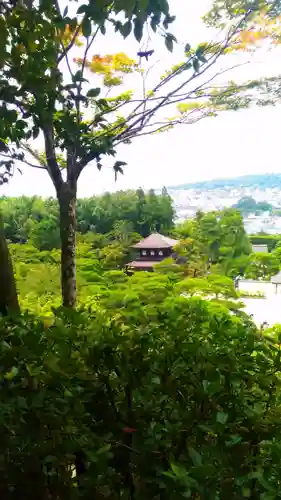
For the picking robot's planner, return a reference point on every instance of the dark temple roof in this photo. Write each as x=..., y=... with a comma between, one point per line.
x=156, y=240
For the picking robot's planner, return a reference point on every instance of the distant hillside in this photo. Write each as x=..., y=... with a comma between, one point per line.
x=262, y=181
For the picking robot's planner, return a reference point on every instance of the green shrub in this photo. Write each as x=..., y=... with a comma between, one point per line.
x=183, y=401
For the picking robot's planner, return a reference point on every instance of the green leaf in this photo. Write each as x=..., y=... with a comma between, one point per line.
x=117, y=167
x=164, y=6
x=169, y=41
x=65, y=12
x=199, y=53
x=138, y=29
x=196, y=65
x=221, y=417
x=187, y=47
x=126, y=29
x=155, y=20
x=178, y=470
x=93, y=92
x=86, y=27
x=195, y=456
x=78, y=76
x=143, y=4
x=12, y=373
x=104, y=449
x=82, y=9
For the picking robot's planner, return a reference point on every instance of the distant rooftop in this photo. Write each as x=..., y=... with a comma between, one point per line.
x=156, y=240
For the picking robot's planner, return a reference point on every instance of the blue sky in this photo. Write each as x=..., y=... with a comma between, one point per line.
x=234, y=143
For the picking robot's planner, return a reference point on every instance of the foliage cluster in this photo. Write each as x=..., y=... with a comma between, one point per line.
x=248, y=205
x=218, y=240
x=36, y=220
x=150, y=394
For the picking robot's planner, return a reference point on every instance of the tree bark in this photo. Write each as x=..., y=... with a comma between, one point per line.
x=8, y=292
x=67, y=203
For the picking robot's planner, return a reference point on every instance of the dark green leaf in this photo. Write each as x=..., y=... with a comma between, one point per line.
x=86, y=27
x=93, y=92
x=119, y=164
x=82, y=9
x=138, y=29
x=169, y=41
x=196, y=65
x=164, y=6
x=126, y=29
x=199, y=53
x=78, y=76
x=195, y=456
x=155, y=20
x=187, y=47
x=65, y=12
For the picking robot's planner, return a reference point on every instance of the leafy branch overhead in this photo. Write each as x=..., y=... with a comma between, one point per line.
x=56, y=87
x=45, y=90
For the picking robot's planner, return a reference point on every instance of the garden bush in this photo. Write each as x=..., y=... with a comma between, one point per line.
x=180, y=401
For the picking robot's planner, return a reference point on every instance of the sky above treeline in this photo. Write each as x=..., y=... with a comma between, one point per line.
x=232, y=144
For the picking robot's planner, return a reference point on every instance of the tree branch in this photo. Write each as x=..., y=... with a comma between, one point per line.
x=213, y=59
x=23, y=161
x=52, y=165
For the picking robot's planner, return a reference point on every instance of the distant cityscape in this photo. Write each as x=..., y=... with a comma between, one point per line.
x=218, y=194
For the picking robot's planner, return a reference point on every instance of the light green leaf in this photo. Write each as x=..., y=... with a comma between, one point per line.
x=12, y=373
x=221, y=417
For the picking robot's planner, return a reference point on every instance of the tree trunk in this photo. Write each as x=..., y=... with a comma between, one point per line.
x=8, y=293
x=67, y=203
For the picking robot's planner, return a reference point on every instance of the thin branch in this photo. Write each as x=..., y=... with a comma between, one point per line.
x=66, y=59
x=72, y=42
x=211, y=62
x=23, y=161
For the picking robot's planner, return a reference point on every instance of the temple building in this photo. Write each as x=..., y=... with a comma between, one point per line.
x=151, y=251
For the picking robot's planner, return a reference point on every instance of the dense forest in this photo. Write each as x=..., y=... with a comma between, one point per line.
x=149, y=385
x=37, y=220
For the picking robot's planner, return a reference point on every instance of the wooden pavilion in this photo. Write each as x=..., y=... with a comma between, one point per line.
x=151, y=250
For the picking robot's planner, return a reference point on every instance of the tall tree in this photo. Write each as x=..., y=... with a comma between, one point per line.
x=45, y=93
